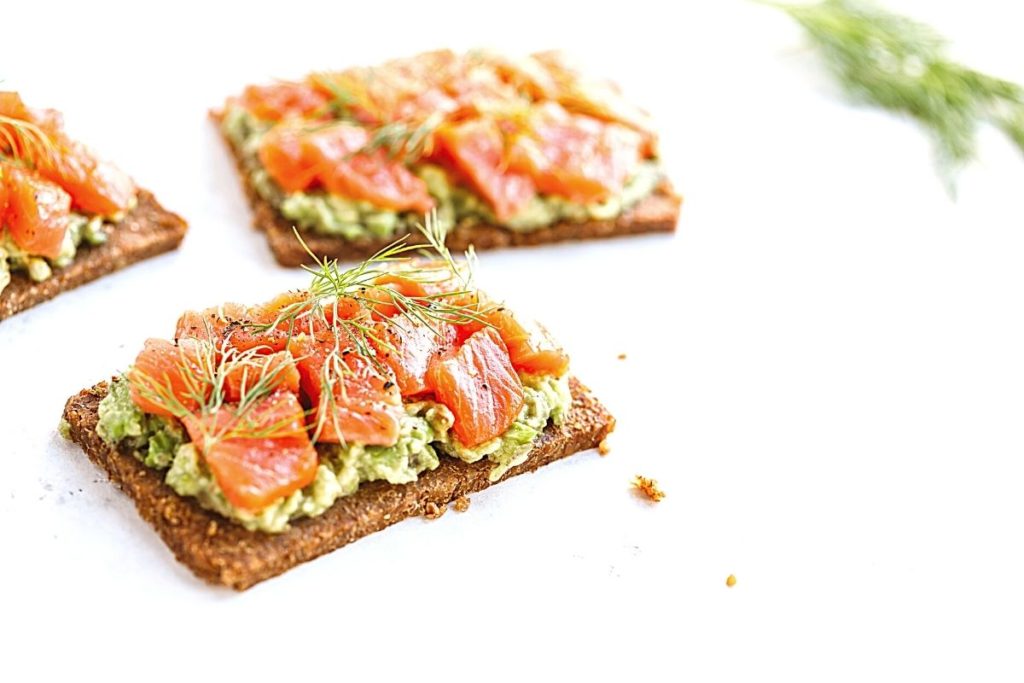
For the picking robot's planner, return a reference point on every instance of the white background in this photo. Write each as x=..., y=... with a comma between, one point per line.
x=825, y=371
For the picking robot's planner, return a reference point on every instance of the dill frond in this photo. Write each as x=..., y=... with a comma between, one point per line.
x=24, y=141
x=900, y=64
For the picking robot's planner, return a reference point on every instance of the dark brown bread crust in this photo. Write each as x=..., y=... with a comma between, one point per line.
x=147, y=230
x=657, y=213
x=221, y=552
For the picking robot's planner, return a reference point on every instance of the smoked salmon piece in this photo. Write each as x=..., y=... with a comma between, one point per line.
x=283, y=99
x=575, y=156
x=95, y=186
x=378, y=179
x=37, y=211
x=477, y=150
x=432, y=283
x=259, y=455
x=290, y=158
x=598, y=98
x=12, y=106
x=479, y=385
x=264, y=372
x=169, y=379
x=530, y=347
x=407, y=348
x=4, y=196
x=230, y=325
x=337, y=158
x=350, y=401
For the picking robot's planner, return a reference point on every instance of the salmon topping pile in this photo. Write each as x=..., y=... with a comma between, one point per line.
x=507, y=129
x=257, y=386
x=45, y=175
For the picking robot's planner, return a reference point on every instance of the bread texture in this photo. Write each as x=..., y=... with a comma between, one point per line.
x=658, y=212
x=147, y=230
x=224, y=553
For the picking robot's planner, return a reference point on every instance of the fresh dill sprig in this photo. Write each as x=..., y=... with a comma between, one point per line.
x=359, y=284
x=340, y=105
x=204, y=376
x=403, y=140
x=894, y=62
x=205, y=367
x=24, y=141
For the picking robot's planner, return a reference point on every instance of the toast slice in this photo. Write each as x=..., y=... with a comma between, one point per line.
x=657, y=213
x=147, y=230
x=223, y=553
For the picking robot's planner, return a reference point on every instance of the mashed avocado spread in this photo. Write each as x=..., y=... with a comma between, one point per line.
x=425, y=434
x=81, y=229
x=328, y=214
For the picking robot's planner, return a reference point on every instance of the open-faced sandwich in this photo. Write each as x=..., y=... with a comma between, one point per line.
x=66, y=217
x=509, y=151
x=263, y=436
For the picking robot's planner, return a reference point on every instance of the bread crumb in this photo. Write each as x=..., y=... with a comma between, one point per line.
x=461, y=504
x=648, y=487
x=432, y=510
x=731, y=581
x=603, y=448
x=211, y=528
x=622, y=356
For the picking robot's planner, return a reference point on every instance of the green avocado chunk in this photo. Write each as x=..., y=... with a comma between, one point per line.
x=152, y=439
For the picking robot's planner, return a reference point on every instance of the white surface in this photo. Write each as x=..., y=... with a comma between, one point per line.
x=824, y=371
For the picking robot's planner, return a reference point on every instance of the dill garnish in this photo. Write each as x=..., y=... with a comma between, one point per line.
x=359, y=283
x=205, y=372
x=894, y=62
x=342, y=99
x=332, y=285
x=204, y=378
x=403, y=140
x=24, y=141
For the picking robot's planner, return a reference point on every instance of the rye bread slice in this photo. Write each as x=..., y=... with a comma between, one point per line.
x=657, y=213
x=222, y=552
x=147, y=230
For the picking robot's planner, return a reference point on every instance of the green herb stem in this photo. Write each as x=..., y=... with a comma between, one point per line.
x=893, y=62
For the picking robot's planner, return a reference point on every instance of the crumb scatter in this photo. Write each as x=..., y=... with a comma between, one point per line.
x=461, y=504
x=648, y=487
x=433, y=511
